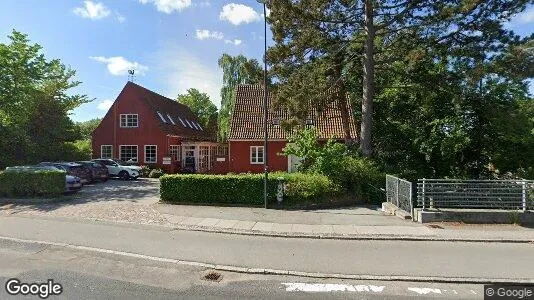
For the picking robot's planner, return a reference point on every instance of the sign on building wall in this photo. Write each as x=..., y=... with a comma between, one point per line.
x=167, y=160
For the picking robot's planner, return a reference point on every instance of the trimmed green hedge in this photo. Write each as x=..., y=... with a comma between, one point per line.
x=32, y=183
x=244, y=189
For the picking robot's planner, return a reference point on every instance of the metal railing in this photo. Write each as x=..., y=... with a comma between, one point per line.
x=454, y=193
x=399, y=192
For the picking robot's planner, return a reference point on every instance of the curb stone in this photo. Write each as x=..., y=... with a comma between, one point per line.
x=238, y=269
x=382, y=237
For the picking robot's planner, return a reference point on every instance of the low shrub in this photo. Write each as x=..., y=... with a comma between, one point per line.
x=32, y=183
x=156, y=173
x=245, y=189
x=145, y=171
x=302, y=189
x=358, y=177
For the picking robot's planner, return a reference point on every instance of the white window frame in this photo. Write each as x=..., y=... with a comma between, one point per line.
x=161, y=117
x=156, y=157
x=126, y=120
x=181, y=121
x=254, y=155
x=136, y=152
x=178, y=155
x=102, y=148
x=200, y=127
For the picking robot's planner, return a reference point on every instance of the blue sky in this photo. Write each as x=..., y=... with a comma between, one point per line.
x=173, y=44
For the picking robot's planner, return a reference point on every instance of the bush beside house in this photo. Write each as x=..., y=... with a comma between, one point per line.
x=34, y=183
x=358, y=177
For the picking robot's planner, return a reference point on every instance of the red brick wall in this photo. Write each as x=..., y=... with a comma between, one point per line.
x=240, y=157
x=221, y=167
x=148, y=132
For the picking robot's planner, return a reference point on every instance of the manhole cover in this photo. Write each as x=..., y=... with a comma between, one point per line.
x=434, y=226
x=213, y=276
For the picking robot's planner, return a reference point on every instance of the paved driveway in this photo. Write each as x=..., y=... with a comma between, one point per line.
x=115, y=200
x=141, y=191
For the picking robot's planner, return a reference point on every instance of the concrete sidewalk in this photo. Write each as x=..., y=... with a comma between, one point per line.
x=349, y=223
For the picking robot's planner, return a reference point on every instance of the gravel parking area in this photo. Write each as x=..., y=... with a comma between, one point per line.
x=115, y=200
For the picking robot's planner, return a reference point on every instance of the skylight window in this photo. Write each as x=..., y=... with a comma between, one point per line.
x=161, y=117
x=194, y=125
x=181, y=121
x=170, y=119
x=200, y=127
x=190, y=126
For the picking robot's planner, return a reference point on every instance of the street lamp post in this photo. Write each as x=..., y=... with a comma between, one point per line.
x=265, y=109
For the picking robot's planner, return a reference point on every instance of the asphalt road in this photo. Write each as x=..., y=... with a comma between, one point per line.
x=383, y=258
x=87, y=275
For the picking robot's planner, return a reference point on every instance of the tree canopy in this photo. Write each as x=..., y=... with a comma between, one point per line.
x=201, y=106
x=34, y=104
x=323, y=44
x=438, y=79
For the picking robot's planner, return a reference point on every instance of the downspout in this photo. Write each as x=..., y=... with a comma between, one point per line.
x=115, y=130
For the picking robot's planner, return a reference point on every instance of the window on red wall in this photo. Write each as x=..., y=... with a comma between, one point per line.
x=256, y=154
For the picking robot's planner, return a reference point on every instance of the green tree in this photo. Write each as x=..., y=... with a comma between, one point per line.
x=86, y=128
x=200, y=104
x=34, y=99
x=236, y=70
x=323, y=44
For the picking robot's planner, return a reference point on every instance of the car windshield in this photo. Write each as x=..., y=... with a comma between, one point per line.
x=120, y=162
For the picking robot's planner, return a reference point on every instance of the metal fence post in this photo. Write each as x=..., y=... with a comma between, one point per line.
x=423, y=194
x=524, y=195
x=411, y=202
x=397, y=191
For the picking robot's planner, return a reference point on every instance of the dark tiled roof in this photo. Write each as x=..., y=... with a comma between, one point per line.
x=247, y=118
x=185, y=125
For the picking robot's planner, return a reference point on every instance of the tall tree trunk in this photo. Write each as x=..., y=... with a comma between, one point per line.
x=341, y=99
x=368, y=81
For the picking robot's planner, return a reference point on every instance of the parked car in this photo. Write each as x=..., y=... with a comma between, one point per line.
x=72, y=183
x=131, y=163
x=99, y=171
x=73, y=169
x=119, y=170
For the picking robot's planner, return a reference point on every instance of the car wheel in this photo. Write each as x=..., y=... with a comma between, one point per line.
x=124, y=175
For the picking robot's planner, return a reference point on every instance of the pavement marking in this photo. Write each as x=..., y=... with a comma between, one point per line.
x=424, y=291
x=330, y=287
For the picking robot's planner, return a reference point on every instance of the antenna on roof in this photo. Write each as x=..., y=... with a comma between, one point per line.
x=131, y=75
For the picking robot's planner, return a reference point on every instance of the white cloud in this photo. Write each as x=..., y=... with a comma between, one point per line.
x=238, y=14
x=105, y=104
x=233, y=42
x=120, y=17
x=180, y=70
x=92, y=10
x=206, y=34
x=119, y=66
x=168, y=6
x=526, y=17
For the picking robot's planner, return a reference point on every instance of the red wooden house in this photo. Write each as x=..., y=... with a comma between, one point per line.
x=147, y=128
x=246, y=134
